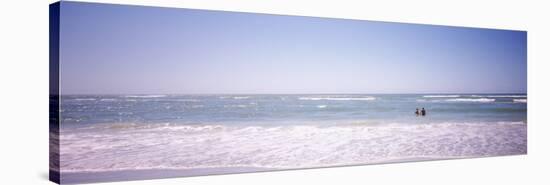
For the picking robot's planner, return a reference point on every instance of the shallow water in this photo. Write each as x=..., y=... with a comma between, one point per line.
x=129, y=132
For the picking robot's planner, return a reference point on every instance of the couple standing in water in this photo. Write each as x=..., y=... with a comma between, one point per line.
x=420, y=112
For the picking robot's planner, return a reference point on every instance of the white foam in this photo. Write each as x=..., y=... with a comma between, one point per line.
x=235, y=106
x=520, y=100
x=471, y=100
x=499, y=96
x=507, y=96
x=84, y=99
x=145, y=96
x=107, y=99
x=197, y=106
x=339, y=98
x=441, y=96
x=169, y=146
x=321, y=106
x=187, y=100
x=240, y=97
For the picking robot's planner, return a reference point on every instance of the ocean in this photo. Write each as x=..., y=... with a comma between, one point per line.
x=109, y=133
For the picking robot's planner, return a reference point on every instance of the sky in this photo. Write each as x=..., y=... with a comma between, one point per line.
x=116, y=49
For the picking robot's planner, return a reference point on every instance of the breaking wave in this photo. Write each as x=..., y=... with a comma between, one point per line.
x=507, y=96
x=145, y=96
x=520, y=100
x=441, y=96
x=339, y=98
x=471, y=100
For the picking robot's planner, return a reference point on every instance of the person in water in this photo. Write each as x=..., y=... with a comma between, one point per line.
x=423, y=112
x=417, y=112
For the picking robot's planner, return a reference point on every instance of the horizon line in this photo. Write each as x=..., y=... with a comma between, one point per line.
x=445, y=93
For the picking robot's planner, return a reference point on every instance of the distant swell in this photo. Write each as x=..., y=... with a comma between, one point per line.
x=520, y=100
x=338, y=99
x=471, y=100
x=508, y=96
x=84, y=99
x=145, y=96
x=166, y=146
x=441, y=96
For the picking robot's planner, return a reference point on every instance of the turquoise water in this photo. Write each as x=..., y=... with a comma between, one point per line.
x=265, y=110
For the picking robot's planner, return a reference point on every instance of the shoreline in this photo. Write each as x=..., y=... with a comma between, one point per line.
x=146, y=174
x=152, y=174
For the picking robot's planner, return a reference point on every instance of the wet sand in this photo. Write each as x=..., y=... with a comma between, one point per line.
x=130, y=175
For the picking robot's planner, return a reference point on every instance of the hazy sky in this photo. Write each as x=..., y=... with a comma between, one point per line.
x=112, y=49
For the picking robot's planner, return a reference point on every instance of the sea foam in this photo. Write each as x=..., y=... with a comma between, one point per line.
x=520, y=100
x=507, y=96
x=471, y=100
x=145, y=96
x=172, y=146
x=339, y=98
x=441, y=96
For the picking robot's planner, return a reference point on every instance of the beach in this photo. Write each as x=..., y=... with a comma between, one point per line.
x=129, y=175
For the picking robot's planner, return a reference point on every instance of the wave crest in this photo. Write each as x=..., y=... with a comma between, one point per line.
x=471, y=100
x=145, y=96
x=520, y=100
x=369, y=98
x=441, y=96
